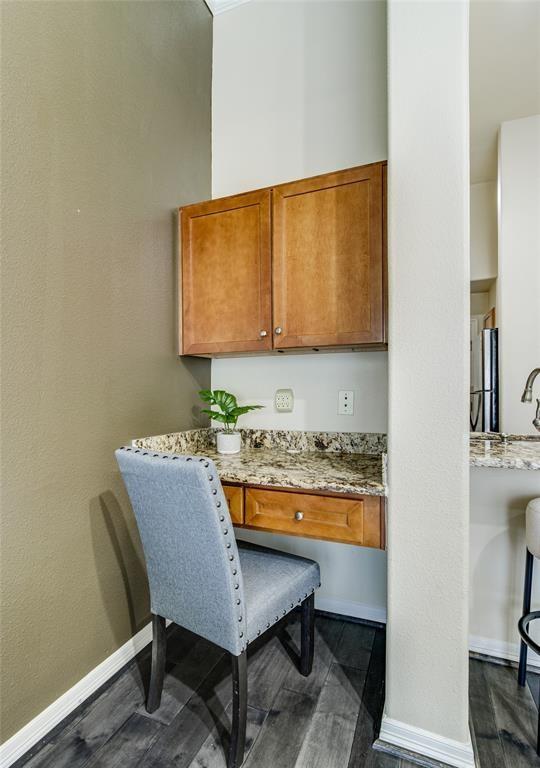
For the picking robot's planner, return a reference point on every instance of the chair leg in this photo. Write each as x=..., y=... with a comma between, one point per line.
x=307, y=635
x=239, y=713
x=527, y=589
x=538, y=734
x=159, y=652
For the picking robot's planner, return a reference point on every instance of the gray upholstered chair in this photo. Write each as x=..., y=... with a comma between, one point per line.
x=202, y=580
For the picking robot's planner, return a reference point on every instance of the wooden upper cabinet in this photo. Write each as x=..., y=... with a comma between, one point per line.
x=301, y=265
x=225, y=293
x=328, y=276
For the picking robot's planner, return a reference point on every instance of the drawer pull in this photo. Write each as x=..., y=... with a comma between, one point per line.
x=298, y=515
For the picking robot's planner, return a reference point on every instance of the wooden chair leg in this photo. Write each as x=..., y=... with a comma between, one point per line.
x=159, y=653
x=307, y=635
x=239, y=713
x=527, y=589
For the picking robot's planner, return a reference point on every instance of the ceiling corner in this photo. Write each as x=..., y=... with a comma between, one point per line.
x=220, y=6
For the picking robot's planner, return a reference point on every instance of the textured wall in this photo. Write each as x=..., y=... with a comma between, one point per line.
x=428, y=516
x=106, y=128
x=313, y=99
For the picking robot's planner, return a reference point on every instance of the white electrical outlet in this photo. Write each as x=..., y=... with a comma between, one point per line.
x=345, y=402
x=284, y=400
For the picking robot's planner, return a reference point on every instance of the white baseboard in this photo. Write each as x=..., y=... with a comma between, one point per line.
x=37, y=728
x=427, y=744
x=499, y=649
x=350, y=608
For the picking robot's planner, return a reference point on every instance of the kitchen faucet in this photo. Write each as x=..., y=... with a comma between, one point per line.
x=526, y=397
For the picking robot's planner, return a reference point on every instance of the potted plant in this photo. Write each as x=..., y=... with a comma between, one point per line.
x=228, y=440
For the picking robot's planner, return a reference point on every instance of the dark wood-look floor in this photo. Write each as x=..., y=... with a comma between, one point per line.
x=328, y=720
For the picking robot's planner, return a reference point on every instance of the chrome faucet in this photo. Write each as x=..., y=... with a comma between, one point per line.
x=526, y=397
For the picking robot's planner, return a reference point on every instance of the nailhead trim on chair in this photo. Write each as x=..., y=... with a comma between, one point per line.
x=228, y=545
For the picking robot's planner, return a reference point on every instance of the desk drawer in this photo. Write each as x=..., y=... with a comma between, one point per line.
x=348, y=520
x=235, y=499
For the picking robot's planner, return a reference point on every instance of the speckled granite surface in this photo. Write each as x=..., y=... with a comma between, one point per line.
x=339, y=462
x=291, y=440
x=517, y=452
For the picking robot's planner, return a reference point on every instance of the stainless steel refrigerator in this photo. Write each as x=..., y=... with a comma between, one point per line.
x=484, y=406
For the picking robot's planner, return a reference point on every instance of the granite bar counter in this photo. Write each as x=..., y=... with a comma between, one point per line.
x=332, y=462
x=505, y=452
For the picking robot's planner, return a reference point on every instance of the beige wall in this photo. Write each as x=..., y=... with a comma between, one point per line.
x=483, y=229
x=106, y=128
x=519, y=269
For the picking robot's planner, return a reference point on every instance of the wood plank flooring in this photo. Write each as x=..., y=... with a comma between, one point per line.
x=328, y=720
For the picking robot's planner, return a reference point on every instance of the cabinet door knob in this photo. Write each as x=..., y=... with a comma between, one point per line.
x=262, y=334
x=278, y=330
x=298, y=515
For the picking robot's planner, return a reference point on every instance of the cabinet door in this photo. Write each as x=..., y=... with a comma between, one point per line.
x=226, y=291
x=328, y=260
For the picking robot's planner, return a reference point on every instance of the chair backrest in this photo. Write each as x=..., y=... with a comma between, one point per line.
x=189, y=543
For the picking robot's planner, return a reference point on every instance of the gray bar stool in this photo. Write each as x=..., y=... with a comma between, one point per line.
x=532, y=534
x=201, y=579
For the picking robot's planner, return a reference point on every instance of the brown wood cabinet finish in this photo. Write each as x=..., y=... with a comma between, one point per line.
x=298, y=266
x=225, y=275
x=346, y=519
x=327, y=260
x=235, y=499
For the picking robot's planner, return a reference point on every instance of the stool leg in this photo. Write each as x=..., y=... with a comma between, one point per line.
x=527, y=589
x=159, y=651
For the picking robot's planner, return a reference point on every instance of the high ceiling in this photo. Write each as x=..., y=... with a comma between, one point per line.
x=504, y=74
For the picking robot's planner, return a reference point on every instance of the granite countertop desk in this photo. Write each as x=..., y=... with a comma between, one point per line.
x=331, y=462
x=320, y=485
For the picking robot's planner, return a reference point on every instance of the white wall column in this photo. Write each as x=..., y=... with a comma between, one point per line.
x=426, y=706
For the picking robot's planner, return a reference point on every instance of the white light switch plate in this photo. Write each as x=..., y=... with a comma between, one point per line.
x=345, y=402
x=284, y=400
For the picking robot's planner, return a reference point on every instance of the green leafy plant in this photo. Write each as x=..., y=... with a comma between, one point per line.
x=229, y=410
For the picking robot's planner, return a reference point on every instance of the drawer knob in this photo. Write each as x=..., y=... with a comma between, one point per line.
x=278, y=330
x=262, y=334
x=298, y=515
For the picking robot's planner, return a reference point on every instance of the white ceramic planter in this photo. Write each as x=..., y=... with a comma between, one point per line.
x=229, y=442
